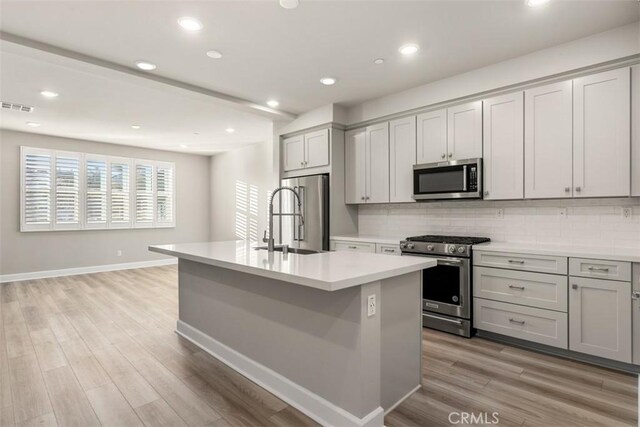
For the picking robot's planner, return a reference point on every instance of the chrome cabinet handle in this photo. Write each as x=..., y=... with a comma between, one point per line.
x=516, y=287
x=516, y=261
x=450, y=155
x=567, y=189
x=352, y=247
x=486, y=193
x=443, y=155
x=603, y=269
x=574, y=286
x=518, y=322
x=301, y=163
x=635, y=295
x=578, y=189
x=390, y=250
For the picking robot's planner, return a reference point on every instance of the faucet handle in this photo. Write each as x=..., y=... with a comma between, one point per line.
x=265, y=239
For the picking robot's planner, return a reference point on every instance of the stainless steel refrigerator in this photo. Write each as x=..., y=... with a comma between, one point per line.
x=314, y=195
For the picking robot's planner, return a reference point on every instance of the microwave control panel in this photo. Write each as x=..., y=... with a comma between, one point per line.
x=473, y=179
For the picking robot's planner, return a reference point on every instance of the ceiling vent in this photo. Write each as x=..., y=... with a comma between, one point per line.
x=16, y=107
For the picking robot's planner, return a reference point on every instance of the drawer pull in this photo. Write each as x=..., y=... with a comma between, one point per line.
x=516, y=261
x=517, y=322
x=516, y=287
x=602, y=269
x=352, y=247
x=635, y=295
x=390, y=250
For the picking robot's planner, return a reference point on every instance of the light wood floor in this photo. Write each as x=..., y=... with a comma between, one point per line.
x=99, y=349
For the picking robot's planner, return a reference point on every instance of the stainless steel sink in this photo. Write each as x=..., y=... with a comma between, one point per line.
x=293, y=250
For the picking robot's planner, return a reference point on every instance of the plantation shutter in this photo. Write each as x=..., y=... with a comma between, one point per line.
x=144, y=193
x=37, y=189
x=120, y=193
x=164, y=194
x=96, y=196
x=67, y=191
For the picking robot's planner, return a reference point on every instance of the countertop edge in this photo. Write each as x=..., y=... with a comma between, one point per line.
x=303, y=281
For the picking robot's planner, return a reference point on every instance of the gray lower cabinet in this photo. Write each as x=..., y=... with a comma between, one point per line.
x=600, y=318
x=635, y=316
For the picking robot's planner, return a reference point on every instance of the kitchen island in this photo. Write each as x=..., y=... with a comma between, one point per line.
x=336, y=335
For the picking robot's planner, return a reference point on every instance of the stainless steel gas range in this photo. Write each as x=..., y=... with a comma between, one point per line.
x=446, y=288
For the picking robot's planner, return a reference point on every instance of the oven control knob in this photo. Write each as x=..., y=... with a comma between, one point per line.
x=461, y=249
x=429, y=247
x=452, y=249
x=410, y=245
x=403, y=245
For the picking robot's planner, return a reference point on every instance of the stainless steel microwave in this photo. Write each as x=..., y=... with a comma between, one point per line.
x=456, y=179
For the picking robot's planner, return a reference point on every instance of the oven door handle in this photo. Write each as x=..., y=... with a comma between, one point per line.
x=446, y=261
x=457, y=322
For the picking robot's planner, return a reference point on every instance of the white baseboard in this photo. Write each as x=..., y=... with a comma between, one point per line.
x=307, y=402
x=84, y=270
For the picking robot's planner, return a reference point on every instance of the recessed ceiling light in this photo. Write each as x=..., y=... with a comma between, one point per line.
x=184, y=146
x=135, y=127
x=328, y=81
x=190, y=24
x=273, y=103
x=33, y=124
x=146, y=66
x=536, y=3
x=214, y=54
x=48, y=94
x=230, y=130
x=289, y=4
x=409, y=49
x=378, y=61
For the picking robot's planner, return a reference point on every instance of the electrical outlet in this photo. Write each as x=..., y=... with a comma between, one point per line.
x=562, y=212
x=119, y=252
x=627, y=213
x=371, y=305
x=499, y=213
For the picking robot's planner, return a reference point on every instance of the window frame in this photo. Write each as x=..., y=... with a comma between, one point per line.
x=82, y=191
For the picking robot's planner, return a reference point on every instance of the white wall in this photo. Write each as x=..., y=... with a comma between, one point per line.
x=614, y=44
x=596, y=222
x=241, y=182
x=54, y=250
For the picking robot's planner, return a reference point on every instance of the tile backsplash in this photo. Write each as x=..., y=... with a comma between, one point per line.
x=596, y=222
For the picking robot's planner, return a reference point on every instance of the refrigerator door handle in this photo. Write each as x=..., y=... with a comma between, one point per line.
x=299, y=230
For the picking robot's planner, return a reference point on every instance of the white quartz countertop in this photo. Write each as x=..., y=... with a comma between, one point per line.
x=630, y=255
x=329, y=271
x=369, y=238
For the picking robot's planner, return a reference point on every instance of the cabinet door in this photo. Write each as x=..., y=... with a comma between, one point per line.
x=601, y=132
x=316, y=145
x=354, y=166
x=432, y=137
x=503, y=147
x=635, y=317
x=464, y=131
x=402, y=157
x=635, y=131
x=600, y=318
x=548, y=141
x=377, y=164
x=293, y=153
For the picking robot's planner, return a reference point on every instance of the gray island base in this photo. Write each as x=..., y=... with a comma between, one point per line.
x=269, y=317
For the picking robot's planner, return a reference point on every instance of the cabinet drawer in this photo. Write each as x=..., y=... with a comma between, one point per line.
x=612, y=270
x=527, y=323
x=385, y=249
x=527, y=262
x=354, y=246
x=540, y=290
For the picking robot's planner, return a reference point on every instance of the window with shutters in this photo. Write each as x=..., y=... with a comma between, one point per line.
x=120, y=193
x=144, y=193
x=96, y=194
x=37, y=177
x=69, y=191
x=164, y=194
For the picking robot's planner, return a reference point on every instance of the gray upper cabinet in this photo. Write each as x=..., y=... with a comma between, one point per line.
x=601, y=134
x=367, y=164
x=503, y=147
x=402, y=157
x=293, y=149
x=306, y=151
x=432, y=136
x=548, y=141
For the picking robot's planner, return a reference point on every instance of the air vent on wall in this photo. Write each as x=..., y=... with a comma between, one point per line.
x=16, y=107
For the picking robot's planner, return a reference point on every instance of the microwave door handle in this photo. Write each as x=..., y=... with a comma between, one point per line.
x=464, y=178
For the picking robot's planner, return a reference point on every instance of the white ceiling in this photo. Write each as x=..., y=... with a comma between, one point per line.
x=100, y=104
x=270, y=52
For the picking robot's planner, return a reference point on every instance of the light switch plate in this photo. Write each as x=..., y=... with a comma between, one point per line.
x=499, y=213
x=627, y=213
x=371, y=305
